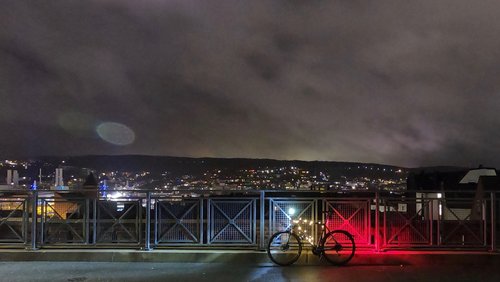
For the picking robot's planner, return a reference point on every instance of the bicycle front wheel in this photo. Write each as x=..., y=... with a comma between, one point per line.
x=284, y=248
x=338, y=247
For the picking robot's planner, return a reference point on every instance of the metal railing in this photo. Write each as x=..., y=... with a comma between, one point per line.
x=432, y=220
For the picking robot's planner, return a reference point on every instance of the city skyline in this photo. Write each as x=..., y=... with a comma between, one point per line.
x=404, y=84
x=170, y=173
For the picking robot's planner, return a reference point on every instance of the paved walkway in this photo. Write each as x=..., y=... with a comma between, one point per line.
x=182, y=265
x=144, y=271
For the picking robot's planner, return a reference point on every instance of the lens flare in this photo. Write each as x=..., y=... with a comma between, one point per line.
x=116, y=133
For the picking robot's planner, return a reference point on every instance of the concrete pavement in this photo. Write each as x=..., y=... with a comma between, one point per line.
x=244, y=256
x=154, y=271
x=227, y=265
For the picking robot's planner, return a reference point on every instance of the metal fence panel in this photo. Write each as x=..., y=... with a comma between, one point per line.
x=119, y=221
x=63, y=221
x=232, y=221
x=462, y=223
x=283, y=211
x=13, y=220
x=407, y=222
x=178, y=221
x=350, y=215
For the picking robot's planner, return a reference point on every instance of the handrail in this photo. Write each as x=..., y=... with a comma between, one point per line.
x=81, y=189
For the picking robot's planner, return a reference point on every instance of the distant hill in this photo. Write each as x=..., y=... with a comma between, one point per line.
x=183, y=165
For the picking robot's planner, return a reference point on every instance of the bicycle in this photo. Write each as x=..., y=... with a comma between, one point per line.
x=285, y=247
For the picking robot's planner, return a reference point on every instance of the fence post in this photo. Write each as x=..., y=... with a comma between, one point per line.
x=155, y=232
x=202, y=220
x=34, y=220
x=430, y=210
x=94, y=220
x=484, y=218
x=26, y=221
x=377, y=222
x=86, y=220
x=438, y=222
x=493, y=222
x=147, y=240
x=270, y=216
x=262, y=220
x=209, y=221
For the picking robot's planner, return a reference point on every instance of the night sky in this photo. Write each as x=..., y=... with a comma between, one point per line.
x=411, y=83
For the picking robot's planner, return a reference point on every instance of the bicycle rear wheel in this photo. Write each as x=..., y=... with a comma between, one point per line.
x=284, y=248
x=338, y=247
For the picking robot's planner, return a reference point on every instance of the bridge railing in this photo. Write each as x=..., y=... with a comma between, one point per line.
x=379, y=220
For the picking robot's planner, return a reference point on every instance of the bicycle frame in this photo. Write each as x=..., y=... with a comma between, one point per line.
x=287, y=251
x=296, y=228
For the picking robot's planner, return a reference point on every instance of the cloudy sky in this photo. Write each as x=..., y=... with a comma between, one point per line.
x=394, y=82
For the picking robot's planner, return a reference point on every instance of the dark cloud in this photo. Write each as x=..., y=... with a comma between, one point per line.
x=389, y=82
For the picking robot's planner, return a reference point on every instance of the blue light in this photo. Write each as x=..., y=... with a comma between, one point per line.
x=103, y=187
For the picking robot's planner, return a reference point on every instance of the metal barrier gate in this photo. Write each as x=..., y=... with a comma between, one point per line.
x=462, y=223
x=350, y=215
x=407, y=222
x=178, y=221
x=63, y=221
x=231, y=221
x=13, y=220
x=282, y=210
x=119, y=221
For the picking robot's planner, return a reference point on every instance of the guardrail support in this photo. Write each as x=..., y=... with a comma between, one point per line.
x=430, y=209
x=377, y=222
x=34, y=220
x=262, y=219
x=147, y=240
x=493, y=222
x=94, y=221
x=202, y=223
x=87, y=221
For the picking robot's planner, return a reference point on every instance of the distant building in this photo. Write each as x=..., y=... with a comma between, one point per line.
x=11, y=181
x=469, y=185
x=473, y=175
